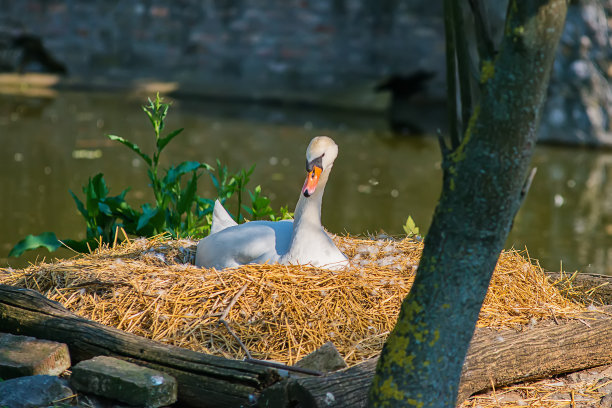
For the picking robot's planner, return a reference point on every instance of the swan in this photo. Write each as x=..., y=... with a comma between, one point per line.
x=301, y=241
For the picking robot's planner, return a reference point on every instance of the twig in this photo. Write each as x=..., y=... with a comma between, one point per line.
x=554, y=316
x=226, y=324
x=463, y=67
x=284, y=367
x=233, y=302
x=234, y=335
x=68, y=247
x=451, y=72
x=486, y=48
x=527, y=184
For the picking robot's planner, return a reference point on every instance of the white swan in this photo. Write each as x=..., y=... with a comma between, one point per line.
x=301, y=241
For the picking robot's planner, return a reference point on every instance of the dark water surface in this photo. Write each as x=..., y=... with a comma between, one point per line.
x=52, y=144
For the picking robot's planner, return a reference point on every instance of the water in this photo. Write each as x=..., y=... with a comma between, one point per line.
x=54, y=142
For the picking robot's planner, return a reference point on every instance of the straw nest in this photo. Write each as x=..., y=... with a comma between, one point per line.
x=280, y=313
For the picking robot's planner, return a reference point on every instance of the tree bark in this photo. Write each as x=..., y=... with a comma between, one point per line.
x=203, y=380
x=483, y=177
x=494, y=358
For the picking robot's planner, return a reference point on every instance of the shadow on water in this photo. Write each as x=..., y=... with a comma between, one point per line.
x=52, y=144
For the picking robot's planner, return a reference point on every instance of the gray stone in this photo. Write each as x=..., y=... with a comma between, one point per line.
x=325, y=359
x=34, y=391
x=606, y=401
x=604, y=385
x=123, y=381
x=22, y=356
x=95, y=401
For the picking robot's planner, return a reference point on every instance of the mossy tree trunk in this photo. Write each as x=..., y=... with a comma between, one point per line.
x=483, y=187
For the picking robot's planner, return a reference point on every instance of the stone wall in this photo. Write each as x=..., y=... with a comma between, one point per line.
x=328, y=52
x=251, y=45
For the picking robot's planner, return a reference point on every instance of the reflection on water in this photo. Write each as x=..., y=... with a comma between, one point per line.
x=52, y=145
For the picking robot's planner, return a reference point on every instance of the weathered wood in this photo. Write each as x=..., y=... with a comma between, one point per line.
x=494, y=357
x=204, y=380
x=594, y=286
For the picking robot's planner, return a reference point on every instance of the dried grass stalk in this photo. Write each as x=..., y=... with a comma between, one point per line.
x=284, y=312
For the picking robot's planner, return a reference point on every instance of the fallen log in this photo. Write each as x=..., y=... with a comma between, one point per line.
x=204, y=380
x=494, y=358
x=588, y=286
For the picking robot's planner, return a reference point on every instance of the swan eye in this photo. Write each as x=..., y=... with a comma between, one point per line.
x=318, y=162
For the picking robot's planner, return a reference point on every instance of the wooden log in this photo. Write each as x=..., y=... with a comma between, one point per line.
x=204, y=380
x=589, y=286
x=494, y=358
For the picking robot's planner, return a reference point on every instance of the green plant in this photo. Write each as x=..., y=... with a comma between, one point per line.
x=410, y=227
x=177, y=211
x=260, y=208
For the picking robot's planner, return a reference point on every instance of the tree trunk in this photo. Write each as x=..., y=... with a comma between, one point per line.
x=494, y=358
x=203, y=380
x=483, y=179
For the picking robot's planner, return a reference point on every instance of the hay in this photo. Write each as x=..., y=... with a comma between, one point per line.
x=280, y=313
x=549, y=393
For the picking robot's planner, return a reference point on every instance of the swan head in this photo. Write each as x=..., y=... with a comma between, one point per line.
x=320, y=156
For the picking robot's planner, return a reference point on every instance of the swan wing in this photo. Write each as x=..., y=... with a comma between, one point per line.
x=253, y=242
x=221, y=218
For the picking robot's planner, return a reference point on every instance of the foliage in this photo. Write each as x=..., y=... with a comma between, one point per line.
x=410, y=227
x=177, y=211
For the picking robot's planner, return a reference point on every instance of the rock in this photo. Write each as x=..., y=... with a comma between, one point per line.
x=325, y=359
x=94, y=401
x=604, y=385
x=606, y=401
x=24, y=356
x=123, y=381
x=33, y=391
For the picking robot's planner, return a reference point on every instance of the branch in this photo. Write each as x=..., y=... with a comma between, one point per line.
x=484, y=42
x=463, y=66
x=451, y=79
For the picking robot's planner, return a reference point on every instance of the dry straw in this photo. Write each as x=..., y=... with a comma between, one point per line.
x=278, y=312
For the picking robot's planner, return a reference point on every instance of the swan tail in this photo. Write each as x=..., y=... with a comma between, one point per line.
x=221, y=219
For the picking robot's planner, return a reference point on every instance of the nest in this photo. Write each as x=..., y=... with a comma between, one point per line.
x=277, y=312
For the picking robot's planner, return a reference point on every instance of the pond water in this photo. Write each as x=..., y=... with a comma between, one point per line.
x=54, y=142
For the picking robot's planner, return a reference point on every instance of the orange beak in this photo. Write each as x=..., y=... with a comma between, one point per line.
x=311, y=181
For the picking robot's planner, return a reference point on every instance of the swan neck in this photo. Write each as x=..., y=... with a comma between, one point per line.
x=308, y=209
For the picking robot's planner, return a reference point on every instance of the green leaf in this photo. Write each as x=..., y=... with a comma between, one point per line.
x=147, y=214
x=80, y=205
x=45, y=240
x=100, y=189
x=187, y=197
x=163, y=141
x=174, y=173
x=149, y=113
x=132, y=146
x=410, y=227
x=104, y=208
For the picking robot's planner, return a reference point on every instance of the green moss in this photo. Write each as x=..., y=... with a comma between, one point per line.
x=519, y=31
x=413, y=402
x=459, y=153
x=487, y=71
x=389, y=390
x=435, y=339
